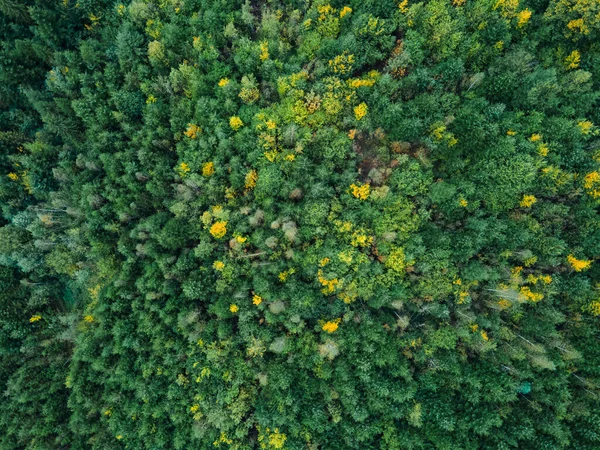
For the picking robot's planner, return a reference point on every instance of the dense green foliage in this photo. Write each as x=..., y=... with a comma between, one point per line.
x=369, y=224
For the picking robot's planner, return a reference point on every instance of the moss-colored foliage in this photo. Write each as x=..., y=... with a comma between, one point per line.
x=291, y=225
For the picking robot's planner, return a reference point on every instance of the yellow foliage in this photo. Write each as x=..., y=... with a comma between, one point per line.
x=396, y=260
x=192, y=131
x=590, y=179
x=361, y=192
x=208, y=169
x=533, y=279
x=251, y=179
x=523, y=17
x=329, y=286
x=585, y=126
x=357, y=82
x=591, y=182
x=222, y=439
x=578, y=25
x=271, y=155
x=594, y=308
x=531, y=296
x=504, y=303
x=345, y=10
x=332, y=325
x=283, y=276
x=462, y=297
x=345, y=257
x=508, y=8
x=277, y=439
x=572, y=61
x=268, y=440
x=325, y=10
x=218, y=229
x=342, y=64
x=438, y=132
x=527, y=201
x=235, y=123
x=360, y=111
x=546, y=279
x=343, y=226
x=360, y=239
x=183, y=169
x=264, y=51
x=579, y=264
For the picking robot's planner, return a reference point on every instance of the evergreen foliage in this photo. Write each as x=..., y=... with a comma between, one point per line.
x=300, y=224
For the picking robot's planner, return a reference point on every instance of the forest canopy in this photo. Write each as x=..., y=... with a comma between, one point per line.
x=269, y=224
